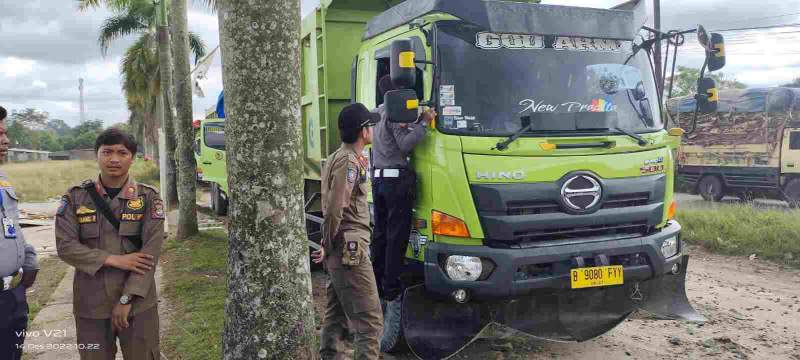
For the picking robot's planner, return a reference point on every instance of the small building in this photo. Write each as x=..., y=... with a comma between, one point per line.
x=23, y=155
x=80, y=154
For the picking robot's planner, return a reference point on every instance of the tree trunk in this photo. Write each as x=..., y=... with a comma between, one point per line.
x=165, y=70
x=269, y=312
x=187, y=196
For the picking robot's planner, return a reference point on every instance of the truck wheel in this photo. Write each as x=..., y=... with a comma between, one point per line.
x=218, y=204
x=711, y=188
x=791, y=193
x=392, y=338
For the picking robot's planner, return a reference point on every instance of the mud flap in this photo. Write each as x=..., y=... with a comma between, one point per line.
x=665, y=297
x=436, y=329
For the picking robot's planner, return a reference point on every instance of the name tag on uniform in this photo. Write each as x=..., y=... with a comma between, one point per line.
x=87, y=219
x=9, y=230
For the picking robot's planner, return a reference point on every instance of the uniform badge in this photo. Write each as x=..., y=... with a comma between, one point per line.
x=352, y=174
x=62, y=206
x=87, y=219
x=136, y=204
x=158, y=210
x=83, y=210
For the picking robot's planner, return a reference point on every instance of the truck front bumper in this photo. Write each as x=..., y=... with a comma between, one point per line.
x=527, y=271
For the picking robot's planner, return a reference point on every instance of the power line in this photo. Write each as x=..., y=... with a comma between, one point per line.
x=758, y=27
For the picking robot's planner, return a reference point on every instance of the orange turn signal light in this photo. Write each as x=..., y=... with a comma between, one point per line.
x=673, y=208
x=444, y=224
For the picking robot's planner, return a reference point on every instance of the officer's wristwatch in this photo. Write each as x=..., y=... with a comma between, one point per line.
x=125, y=300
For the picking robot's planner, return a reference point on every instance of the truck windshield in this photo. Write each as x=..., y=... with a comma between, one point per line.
x=493, y=84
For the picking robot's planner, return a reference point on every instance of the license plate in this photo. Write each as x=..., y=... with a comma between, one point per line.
x=596, y=276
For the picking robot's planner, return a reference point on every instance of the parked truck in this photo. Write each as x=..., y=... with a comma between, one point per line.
x=544, y=199
x=749, y=147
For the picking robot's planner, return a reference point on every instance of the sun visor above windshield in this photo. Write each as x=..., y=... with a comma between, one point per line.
x=514, y=17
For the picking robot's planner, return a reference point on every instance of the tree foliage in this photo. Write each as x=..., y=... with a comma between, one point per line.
x=686, y=81
x=33, y=129
x=794, y=84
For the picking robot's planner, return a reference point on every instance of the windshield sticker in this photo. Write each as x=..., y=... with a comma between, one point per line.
x=448, y=102
x=447, y=89
x=587, y=44
x=451, y=111
x=448, y=121
x=489, y=40
x=461, y=124
x=448, y=96
x=596, y=105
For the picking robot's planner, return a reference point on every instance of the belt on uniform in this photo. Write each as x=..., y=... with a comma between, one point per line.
x=387, y=173
x=9, y=282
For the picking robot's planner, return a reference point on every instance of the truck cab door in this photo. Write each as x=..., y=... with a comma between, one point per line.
x=212, y=157
x=790, y=154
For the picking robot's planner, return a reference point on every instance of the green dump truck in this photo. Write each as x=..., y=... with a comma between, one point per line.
x=749, y=147
x=545, y=186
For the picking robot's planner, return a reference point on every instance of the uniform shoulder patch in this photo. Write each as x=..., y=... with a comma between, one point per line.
x=157, y=210
x=352, y=174
x=63, y=205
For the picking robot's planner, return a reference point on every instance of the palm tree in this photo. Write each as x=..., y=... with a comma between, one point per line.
x=148, y=19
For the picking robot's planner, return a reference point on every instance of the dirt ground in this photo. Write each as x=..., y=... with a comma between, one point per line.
x=752, y=307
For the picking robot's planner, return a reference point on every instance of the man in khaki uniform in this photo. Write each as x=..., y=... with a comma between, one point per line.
x=353, y=302
x=114, y=295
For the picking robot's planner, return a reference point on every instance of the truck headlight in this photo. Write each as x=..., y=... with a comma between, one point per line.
x=463, y=268
x=669, y=247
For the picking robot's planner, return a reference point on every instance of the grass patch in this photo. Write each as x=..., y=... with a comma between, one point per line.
x=51, y=272
x=44, y=180
x=194, y=271
x=741, y=230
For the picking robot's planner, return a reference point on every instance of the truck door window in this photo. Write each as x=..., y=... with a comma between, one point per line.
x=382, y=58
x=215, y=136
x=794, y=140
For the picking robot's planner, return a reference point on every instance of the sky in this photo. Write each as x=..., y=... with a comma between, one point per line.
x=46, y=45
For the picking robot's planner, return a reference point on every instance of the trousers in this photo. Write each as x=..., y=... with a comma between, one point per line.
x=139, y=341
x=13, y=322
x=393, y=200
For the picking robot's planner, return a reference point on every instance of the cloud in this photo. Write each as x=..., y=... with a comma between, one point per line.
x=46, y=45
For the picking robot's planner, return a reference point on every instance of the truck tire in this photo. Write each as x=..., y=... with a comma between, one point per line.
x=218, y=203
x=791, y=193
x=392, y=338
x=711, y=188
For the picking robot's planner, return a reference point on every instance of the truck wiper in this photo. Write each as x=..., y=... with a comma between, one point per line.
x=502, y=145
x=640, y=140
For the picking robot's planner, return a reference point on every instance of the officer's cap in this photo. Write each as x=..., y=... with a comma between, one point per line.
x=356, y=116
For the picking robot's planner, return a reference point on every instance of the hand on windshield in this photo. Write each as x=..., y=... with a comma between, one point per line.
x=428, y=116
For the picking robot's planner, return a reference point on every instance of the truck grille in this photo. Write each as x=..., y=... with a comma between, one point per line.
x=552, y=206
x=639, y=227
x=521, y=215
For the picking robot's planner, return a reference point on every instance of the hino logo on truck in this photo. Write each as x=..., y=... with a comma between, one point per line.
x=500, y=175
x=581, y=192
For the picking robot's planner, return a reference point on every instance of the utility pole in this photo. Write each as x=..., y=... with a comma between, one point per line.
x=83, y=107
x=657, y=52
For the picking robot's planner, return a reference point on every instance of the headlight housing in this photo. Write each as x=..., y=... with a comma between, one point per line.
x=463, y=268
x=669, y=247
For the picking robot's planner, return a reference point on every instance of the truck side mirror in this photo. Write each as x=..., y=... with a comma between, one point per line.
x=706, y=97
x=401, y=105
x=402, y=67
x=716, y=57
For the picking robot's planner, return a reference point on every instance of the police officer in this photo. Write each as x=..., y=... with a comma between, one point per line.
x=111, y=231
x=393, y=190
x=18, y=265
x=351, y=294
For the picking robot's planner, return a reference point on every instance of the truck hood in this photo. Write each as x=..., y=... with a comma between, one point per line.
x=526, y=161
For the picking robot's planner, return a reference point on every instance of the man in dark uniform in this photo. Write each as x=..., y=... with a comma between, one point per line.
x=18, y=265
x=111, y=231
x=352, y=296
x=393, y=191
